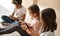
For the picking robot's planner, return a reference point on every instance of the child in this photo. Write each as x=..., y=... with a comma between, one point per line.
x=34, y=12
x=48, y=19
x=19, y=12
x=19, y=9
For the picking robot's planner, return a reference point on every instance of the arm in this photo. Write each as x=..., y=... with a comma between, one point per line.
x=12, y=16
x=23, y=17
x=37, y=26
x=30, y=31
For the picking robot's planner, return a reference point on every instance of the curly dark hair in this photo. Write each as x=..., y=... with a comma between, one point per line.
x=17, y=2
x=49, y=18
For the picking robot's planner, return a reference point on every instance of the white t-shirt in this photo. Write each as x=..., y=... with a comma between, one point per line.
x=33, y=23
x=18, y=12
x=49, y=33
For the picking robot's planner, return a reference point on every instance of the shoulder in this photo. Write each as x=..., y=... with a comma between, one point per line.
x=47, y=33
x=23, y=7
x=35, y=21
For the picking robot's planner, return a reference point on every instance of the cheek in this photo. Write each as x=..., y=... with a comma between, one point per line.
x=15, y=5
x=41, y=20
x=32, y=15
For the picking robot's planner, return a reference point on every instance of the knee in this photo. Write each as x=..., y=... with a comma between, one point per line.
x=4, y=16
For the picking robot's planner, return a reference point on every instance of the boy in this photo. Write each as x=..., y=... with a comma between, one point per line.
x=18, y=14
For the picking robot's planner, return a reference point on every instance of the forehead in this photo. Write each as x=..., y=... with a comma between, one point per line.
x=30, y=11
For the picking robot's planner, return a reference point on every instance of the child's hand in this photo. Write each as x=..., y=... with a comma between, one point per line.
x=10, y=16
x=32, y=32
x=24, y=27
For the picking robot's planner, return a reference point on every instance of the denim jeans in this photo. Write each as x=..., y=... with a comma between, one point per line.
x=7, y=19
x=11, y=29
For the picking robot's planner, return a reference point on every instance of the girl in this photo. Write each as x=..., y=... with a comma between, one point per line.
x=48, y=19
x=34, y=29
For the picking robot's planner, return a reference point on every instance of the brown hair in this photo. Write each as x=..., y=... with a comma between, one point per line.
x=49, y=18
x=35, y=9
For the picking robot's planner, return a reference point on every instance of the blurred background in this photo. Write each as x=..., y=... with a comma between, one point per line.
x=6, y=8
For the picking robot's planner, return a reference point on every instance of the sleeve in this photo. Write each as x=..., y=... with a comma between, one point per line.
x=36, y=26
x=24, y=10
x=14, y=10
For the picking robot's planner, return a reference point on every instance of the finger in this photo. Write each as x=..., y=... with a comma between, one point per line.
x=24, y=28
x=31, y=27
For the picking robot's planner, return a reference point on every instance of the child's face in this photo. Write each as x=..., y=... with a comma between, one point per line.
x=17, y=5
x=32, y=14
x=41, y=20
